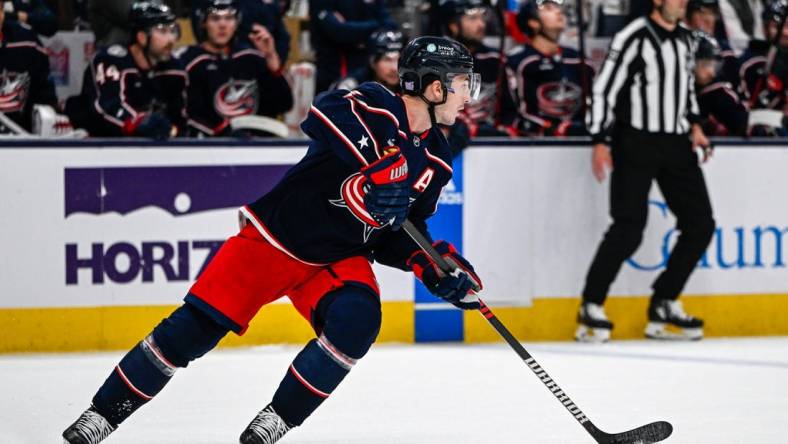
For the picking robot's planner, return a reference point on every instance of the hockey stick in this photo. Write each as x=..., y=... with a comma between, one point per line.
x=582, y=49
x=771, y=56
x=649, y=433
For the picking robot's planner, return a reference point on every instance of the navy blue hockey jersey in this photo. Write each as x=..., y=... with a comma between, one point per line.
x=547, y=91
x=24, y=74
x=115, y=91
x=223, y=86
x=758, y=89
x=480, y=115
x=316, y=212
x=722, y=112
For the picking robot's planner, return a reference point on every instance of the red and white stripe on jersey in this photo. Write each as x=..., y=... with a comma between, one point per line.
x=356, y=96
x=378, y=152
x=726, y=88
x=306, y=383
x=520, y=79
x=439, y=161
x=339, y=134
x=353, y=195
x=28, y=45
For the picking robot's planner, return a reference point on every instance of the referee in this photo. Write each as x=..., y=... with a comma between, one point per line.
x=644, y=125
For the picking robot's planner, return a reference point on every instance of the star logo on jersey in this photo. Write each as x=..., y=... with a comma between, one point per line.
x=236, y=98
x=14, y=89
x=363, y=142
x=352, y=198
x=390, y=142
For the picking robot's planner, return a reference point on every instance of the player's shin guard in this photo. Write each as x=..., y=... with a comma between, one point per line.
x=139, y=376
x=182, y=337
x=311, y=378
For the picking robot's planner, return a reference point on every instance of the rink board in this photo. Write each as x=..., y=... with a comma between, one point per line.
x=103, y=240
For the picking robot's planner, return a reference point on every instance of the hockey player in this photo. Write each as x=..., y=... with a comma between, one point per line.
x=384, y=47
x=340, y=30
x=466, y=22
x=704, y=15
x=134, y=90
x=722, y=112
x=545, y=79
x=24, y=73
x=266, y=14
x=227, y=78
x=759, y=88
x=374, y=159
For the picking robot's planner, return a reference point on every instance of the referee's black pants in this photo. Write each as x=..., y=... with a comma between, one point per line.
x=638, y=159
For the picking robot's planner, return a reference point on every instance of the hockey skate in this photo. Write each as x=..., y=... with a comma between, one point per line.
x=266, y=428
x=668, y=320
x=89, y=428
x=594, y=325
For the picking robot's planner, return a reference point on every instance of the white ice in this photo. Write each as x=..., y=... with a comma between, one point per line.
x=714, y=391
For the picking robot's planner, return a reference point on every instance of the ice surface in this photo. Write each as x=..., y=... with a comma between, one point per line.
x=714, y=391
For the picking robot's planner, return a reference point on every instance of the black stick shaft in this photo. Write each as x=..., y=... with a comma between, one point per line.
x=529, y=360
x=584, y=86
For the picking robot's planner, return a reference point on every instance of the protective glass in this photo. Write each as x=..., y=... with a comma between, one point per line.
x=466, y=83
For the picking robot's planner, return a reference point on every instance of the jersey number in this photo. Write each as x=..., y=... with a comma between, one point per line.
x=111, y=73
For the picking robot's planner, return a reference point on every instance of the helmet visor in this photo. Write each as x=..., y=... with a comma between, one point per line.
x=465, y=83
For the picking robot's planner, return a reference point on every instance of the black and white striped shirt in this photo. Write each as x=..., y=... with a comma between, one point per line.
x=646, y=82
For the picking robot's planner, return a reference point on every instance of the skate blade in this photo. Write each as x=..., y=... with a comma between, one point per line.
x=591, y=335
x=667, y=332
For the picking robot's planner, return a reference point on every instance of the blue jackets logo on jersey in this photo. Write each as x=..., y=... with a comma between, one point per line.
x=236, y=98
x=559, y=99
x=14, y=88
x=353, y=199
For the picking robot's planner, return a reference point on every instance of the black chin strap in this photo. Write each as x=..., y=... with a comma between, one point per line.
x=431, y=105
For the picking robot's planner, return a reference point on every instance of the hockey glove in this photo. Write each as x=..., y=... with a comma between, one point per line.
x=386, y=189
x=152, y=125
x=456, y=288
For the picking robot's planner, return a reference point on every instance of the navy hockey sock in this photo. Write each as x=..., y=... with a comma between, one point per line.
x=351, y=319
x=184, y=336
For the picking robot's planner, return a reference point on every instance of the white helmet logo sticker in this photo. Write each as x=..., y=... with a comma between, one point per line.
x=431, y=47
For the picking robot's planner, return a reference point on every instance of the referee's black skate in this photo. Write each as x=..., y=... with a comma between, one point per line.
x=89, y=428
x=266, y=428
x=594, y=326
x=668, y=320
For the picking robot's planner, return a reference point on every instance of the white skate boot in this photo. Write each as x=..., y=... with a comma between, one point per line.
x=594, y=326
x=668, y=320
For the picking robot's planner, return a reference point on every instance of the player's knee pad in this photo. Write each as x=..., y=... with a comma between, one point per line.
x=184, y=336
x=351, y=320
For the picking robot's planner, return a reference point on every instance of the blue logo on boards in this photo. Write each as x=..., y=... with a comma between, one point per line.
x=738, y=247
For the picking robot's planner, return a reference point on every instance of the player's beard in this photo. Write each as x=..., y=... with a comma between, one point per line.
x=470, y=42
x=164, y=55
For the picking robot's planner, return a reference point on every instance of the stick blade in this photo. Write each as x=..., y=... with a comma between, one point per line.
x=647, y=434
